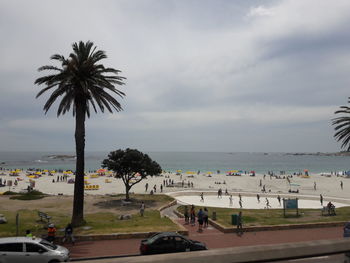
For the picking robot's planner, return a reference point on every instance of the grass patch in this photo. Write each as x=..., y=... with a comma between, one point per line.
x=101, y=222
x=32, y=195
x=264, y=217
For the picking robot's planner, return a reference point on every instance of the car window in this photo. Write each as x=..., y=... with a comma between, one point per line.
x=12, y=247
x=30, y=247
x=180, y=240
x=48, y=244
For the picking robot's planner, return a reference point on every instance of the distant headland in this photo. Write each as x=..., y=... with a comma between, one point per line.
x=61, y=156
x=321, y=154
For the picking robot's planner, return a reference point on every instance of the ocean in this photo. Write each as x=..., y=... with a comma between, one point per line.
x=189, y=161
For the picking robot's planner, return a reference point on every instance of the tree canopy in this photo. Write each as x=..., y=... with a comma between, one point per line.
x=342, y=126
x=131, y=166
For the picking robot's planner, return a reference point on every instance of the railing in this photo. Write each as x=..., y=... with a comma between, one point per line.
x=245, y=254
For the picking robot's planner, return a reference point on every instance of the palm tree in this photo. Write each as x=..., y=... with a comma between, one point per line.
x=81, y=82
x=342, y=127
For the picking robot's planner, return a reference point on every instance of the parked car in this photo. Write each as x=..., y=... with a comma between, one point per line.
x=31, y=250
x=169, y=242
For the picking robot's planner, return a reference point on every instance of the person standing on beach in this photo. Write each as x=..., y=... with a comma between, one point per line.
x=239, y=224
x=321, y=199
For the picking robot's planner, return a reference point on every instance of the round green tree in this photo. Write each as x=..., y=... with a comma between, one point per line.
x=132, y=166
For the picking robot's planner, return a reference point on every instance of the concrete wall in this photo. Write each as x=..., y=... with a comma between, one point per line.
x=244, y=254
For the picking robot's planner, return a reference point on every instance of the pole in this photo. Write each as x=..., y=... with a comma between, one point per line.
x=17, y=224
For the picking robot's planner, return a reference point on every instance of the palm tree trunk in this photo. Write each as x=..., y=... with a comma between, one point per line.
x=78, y=202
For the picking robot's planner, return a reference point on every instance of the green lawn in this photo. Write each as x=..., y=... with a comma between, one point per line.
x=264, y=217
x=101, y=222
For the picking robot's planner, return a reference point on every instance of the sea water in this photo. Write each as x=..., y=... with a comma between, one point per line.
x=189, y=161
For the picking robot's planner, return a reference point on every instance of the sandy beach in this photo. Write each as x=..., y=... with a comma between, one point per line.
x=246, y=185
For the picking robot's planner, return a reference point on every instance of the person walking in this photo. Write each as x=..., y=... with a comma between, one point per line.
x=200, y=220
x=341, y=185
x=240, y=203
x=68, y=234
x=142, y=208
x=202, y=197
x=258, y=197
x=239, y=224
x=315, y=186
x=279, y=199
x=267, y=203
x=146, y=187
x=231, y=200
x=321, y=199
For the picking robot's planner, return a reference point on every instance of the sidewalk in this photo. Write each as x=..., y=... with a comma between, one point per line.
x=210, y=236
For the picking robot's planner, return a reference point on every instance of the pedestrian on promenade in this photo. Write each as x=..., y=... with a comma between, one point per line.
x=187, y=216
x=315, y=186
x=142, y=208
x=51, y=233
x=200, y=220
x=321, y=199
x=239, y=224
x=231, y=200
x=258, y=197
x=29, y=233
x=206, y=217
x=68, y=234
x=193, y=216
x=146, y=187
x=202, y=197
x=279, y=199
x=341, y=185
x=240, y=203
x=267, y=203
x=161, y=188
x=240, y=197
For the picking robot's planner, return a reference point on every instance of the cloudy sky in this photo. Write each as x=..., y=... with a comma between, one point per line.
x=255, y=76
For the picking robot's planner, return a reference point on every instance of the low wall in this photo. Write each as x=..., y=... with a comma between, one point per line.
x=248, y=254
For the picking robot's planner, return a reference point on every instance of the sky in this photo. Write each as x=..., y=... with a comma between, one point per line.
x=214, y=76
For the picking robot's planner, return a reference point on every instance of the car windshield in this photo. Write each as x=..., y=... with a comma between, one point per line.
x=48, y=245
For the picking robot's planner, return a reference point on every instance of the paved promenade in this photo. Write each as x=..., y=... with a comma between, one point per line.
x=212, y=237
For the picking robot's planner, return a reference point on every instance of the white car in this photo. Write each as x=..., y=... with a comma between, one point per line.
x=31, y=250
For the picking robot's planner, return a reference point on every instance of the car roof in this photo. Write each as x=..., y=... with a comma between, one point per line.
x=165, y=234
x=19, y=239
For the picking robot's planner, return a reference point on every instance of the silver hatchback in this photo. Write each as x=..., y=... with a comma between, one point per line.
x=31, y=250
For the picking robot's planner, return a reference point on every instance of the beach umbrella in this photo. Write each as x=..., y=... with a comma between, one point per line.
x=190, y=172
x=38, y=173
x=53, y=171
x=101, y=170
x=179, y=171
x=209, y=172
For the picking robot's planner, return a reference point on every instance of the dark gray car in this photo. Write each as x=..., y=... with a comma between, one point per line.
x=169, y=242
x=31, y=250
